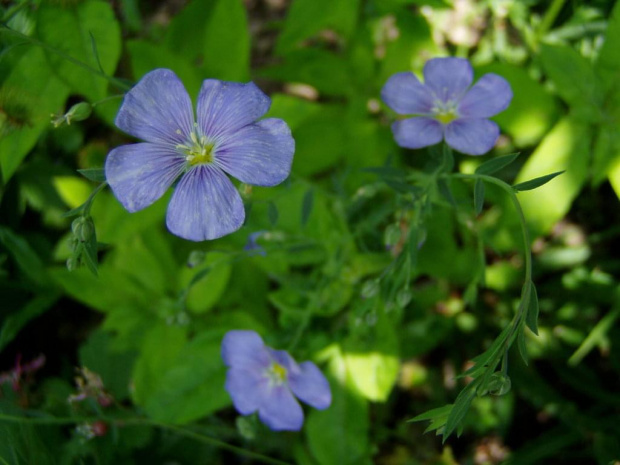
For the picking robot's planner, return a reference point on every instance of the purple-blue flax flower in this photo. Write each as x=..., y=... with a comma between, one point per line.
x=225, y=138
x=266, y=380
x=447, y=106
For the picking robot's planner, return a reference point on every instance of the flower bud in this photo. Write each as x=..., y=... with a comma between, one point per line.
x=83, y=228
x=370, y=289
x=78, y=112
x=196, y=257
x=73, y=263
x=403, y=297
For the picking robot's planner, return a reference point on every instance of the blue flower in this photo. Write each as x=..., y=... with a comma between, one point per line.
x=266, y=380
x=446, y=107
x=252, y=247
x=225, y=139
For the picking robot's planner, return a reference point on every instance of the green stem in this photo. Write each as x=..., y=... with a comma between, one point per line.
x=550, y=17
x=91, y=197
x=120, y=422
x=114, y=81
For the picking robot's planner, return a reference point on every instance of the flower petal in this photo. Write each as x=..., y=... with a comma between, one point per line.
x=244, y=349
x=259, y=154
x=490, y=95
x=418, y=132
x=406, y=95
x=224, y=107
x=311, y=386
x=473, y=136
x=282, y=357
x=248, y=389
x=205, y=205
x=280, y=411
x=157, y=109
x=448, y=77
x=139, y=174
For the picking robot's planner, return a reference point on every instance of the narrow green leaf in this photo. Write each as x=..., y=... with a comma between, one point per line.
x=478, y=196
x=93, y=45
x=93, y=174
x=272, y=213
x=495, y=164
x=73, y=212
x=433, y=413
x=444, y=190
x=26, y=258
x=306, y=206
x=460, y=409
x=14, y=322
x=521, y=345
x=532, y=312
x=536, y=182
x=90, y=253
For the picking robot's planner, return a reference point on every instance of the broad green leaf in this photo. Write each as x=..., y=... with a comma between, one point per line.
x=114, y=367
x=566, y=147
x=206, y=291
x=373, y=373
x=227, y=42
x=536, y=182
x=408, y=51
x=159, y=354
x=495, y=164
x=306, y=18
x=321, y=69
x=532, y=110
x=37, y=94
x=478, y=196
x=193, y=386
x=614, y=176
x=146, y=56
x=186, y=32
x=69, y=29
x=607, y=65
x=606, y=151
x=338, y=434
x=574, y=79
x=532, y=310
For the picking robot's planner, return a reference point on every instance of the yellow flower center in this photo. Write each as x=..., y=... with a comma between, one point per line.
x=198, y=151
x=446, y=117
x=277, y=373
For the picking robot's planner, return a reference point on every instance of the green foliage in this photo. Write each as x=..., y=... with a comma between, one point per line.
x=406, y=275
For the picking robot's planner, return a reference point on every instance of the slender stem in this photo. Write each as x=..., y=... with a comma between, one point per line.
x=513, y=197
x=91, y=197
x=116, y=82
x=120, y=422
x=550, y=16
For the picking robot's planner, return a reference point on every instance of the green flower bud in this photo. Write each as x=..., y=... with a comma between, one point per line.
x=73, y=263
x=78, y=112
x=403, y=297
x=196, y=257
x=83, y=228
x=370, y=288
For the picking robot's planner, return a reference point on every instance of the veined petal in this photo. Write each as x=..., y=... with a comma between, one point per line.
x=473, y=136
x=489, y=96
x=157, y=109
x=205, y=205
x=406, y=95
x=280, y=411
x=244, y=349
x=259, y=154
x=248, y=389
x=310, y=386
x=139, y=174
x=418, y=132
x=282, y=357
x=224, y=107
x=448, y=77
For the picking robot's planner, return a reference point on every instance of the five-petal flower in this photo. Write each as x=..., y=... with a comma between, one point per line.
x=266, y=380
x=226, y=138
x=446, y=107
